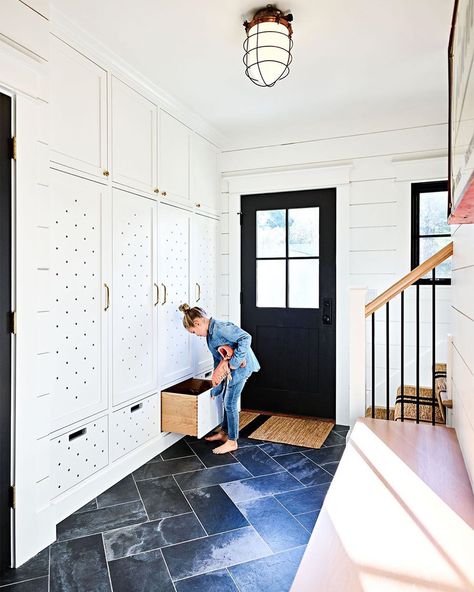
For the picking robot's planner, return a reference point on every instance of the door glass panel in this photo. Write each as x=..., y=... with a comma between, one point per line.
x=433, y=213
x=431, y=245
x=271, y=233
x=303, y=232
x=303, y=283
x=271, y=283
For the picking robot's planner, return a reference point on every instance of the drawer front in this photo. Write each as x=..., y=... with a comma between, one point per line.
x=134, y=425
x=210, y=412
x=79, y=454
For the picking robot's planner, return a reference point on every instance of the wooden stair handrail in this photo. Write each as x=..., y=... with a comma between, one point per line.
x=409, y=279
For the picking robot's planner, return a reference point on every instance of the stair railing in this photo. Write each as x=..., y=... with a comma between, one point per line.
x=384, y=301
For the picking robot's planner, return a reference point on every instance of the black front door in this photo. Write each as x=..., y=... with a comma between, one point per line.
x=5, y=325
x=288, y=262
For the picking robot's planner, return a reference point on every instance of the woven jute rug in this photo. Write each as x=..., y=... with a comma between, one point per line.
x=245, y=418
x=290, y=430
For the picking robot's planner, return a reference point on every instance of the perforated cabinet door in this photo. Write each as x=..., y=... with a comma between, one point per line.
x=175, y=359
x=133, y=296
x=204, y=281
x=79, y=339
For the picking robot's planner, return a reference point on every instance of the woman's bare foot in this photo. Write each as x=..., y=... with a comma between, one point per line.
x=218, y=437
x=229, y=446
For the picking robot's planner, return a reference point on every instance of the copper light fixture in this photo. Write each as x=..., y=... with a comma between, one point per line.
x=268, y=46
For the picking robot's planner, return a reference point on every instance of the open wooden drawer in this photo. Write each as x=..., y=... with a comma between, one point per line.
x=188, y=408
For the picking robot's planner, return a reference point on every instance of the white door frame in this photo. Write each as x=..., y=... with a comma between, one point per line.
x=336, y=176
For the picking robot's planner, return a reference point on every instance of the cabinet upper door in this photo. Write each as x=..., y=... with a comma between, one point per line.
x=133, y=296
x=204, y=280
x=173, y=159
x=173, y=272
x=78, y=110
x=204, y=181
x=133, y=137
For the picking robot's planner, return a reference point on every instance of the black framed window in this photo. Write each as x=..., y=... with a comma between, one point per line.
x=430, y=229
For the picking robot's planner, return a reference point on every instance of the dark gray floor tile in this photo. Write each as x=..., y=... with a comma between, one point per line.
x=34, y=568
x=303, y=469
x=162, y=498
x=325, y=455
x=214, y=552
x=216, y=511
x=274, y=524
x=204, y=450
x=168, y=467
x=304, y=500
x=92, y=505
x=240, y=491
x=308, y=520
x=79, y=565
x=123, y=491
x=274, y=448
x=216, y=581
x=335, y=439
x=340, y=429
x=132, y=540
x=212, y=476
x=256, y=461
x=331, y=467
x=37, y=585
x=79, y=525
x=246, y=442
x=275, y=573
x=140, y=573
x=178, y=450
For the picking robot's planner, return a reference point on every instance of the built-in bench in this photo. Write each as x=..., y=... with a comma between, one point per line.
x=398, y=516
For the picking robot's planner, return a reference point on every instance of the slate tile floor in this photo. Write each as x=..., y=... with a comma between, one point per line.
x=191, y=521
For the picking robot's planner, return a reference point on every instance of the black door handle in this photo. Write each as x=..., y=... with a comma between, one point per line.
x=327, y=311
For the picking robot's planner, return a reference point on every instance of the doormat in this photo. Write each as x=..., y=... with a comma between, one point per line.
x=310, y=433
x=245, y=417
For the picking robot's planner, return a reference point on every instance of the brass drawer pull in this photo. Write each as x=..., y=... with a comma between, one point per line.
x=107, y=297
x=165, y=292
x=157, y=294
x=198, y=297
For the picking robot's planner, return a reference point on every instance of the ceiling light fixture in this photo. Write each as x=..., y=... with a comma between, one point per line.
x=268, y=46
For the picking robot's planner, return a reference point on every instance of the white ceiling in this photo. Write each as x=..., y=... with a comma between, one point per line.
x=359, y=65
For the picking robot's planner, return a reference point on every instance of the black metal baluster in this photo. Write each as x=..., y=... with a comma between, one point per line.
x=387, y=360
x=417, y=353
x=402, y=354
x=373, y=365
x=433, y=346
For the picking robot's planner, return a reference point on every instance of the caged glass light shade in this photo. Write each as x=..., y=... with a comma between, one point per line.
x=268, y=45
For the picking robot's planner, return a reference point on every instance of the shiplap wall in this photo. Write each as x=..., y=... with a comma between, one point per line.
x=463, y=340
x=383, y=166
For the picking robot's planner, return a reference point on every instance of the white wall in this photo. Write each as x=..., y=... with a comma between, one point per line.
x=463, y=341
x=381, y=168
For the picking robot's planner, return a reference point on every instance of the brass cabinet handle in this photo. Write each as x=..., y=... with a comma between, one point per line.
x=198, y=298
x=105, y=173
x=107, y=297
x=164, y=295
x=156, y=190
x=157, y=294
x=164, y=193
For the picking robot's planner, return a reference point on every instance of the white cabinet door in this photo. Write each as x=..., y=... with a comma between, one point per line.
x=204, y=174
x=79, y=273
x=133, y=138
x=173, y=159
x=78, y=110
x=204, y=281
x=174, y=346
x=133, y=296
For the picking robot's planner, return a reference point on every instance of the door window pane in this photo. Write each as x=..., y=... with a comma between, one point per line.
x=304, y=283
x=433, y=213
x=303, y=232
x=271, y=283
x=431, y=245
x=271, y=233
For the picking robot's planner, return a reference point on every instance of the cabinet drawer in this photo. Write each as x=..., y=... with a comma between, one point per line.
x=79, y=454
x=188, y=408
x=134, y=425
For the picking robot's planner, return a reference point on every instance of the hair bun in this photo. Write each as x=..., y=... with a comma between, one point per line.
x=184, y=308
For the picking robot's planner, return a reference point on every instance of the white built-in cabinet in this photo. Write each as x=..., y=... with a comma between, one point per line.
x=173, y=159
x=203, y=174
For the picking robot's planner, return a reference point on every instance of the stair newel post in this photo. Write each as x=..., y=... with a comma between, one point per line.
x=373, y=365
x=433, y=347
x=387, y=359
x=417, y=353
x=402, y=354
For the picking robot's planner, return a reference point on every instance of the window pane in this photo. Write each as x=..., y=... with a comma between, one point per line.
x=271, y=283
x=304, y=283
x=430, y=246
x=303, y=232
x=271, y=233
x=433, y=213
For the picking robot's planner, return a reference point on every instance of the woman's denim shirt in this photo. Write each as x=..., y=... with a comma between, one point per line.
x=225, y=333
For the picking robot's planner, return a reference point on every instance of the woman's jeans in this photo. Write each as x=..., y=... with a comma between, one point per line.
x=230, y=422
